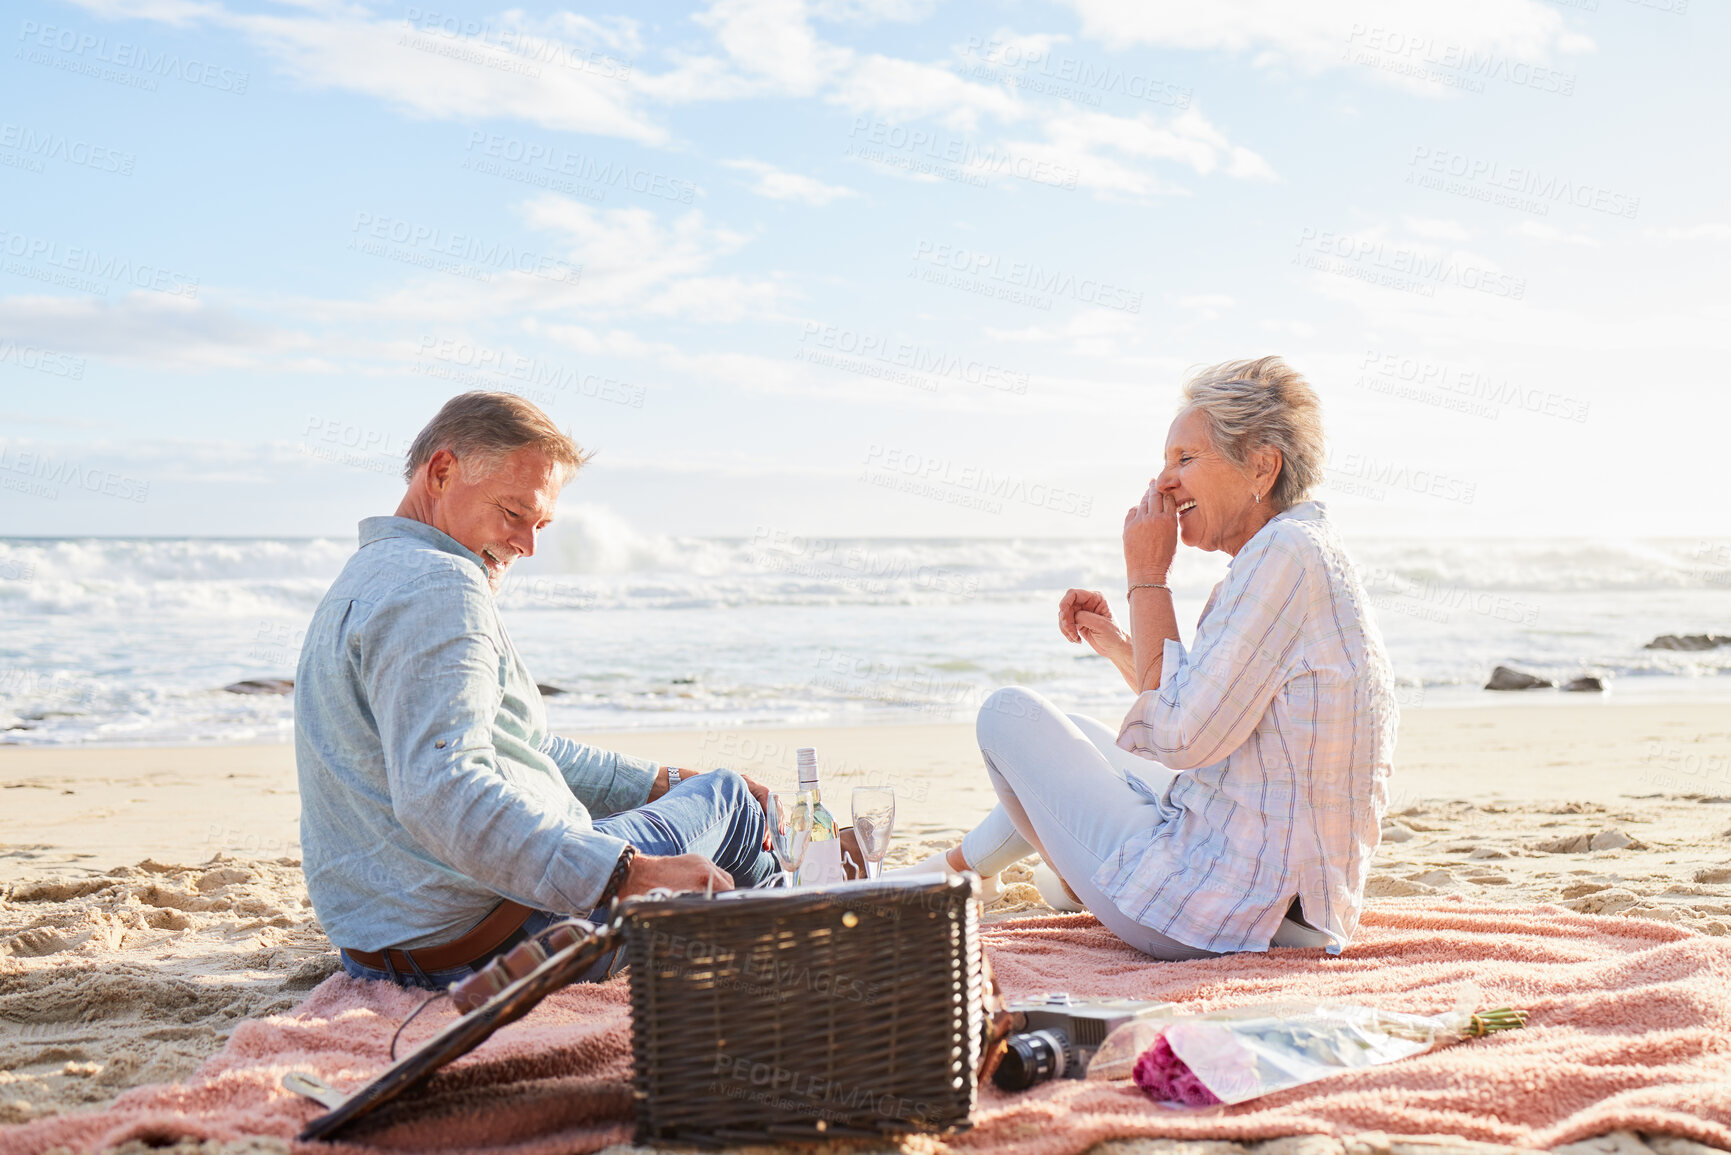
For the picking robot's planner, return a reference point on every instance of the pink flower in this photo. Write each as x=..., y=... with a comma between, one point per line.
x=1165, y=1078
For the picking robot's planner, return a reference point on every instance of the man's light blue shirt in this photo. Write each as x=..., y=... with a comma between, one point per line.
x=429, y=785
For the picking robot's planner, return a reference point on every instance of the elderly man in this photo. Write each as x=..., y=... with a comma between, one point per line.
x=440, y=821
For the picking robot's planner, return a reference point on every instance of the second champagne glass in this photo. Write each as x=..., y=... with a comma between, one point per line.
x=874, y=820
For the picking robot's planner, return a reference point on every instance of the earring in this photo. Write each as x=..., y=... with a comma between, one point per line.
x=1258, y=498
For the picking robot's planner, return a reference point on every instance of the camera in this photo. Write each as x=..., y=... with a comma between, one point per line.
x=1055, y=1036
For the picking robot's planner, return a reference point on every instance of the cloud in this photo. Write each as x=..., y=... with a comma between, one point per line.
x=632, y=264
x=906, y=90
x=156, y=329
x=579, y=74
x=873, y=11
x=1437, y=229
x=562, y=75
x=1551, y=234
x=773, y=42
x=1206, y=306
x=778, y=185
x=1314, y=35
x=1706, y=231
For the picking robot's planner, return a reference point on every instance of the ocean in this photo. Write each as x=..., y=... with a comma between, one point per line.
x=130, y=641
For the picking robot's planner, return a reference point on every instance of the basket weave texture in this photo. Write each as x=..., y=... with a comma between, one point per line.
x=852, y=1012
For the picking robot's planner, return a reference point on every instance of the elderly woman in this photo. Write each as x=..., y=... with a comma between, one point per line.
x=1238, y=805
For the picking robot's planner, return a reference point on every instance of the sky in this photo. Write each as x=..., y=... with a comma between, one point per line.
x=862, y=267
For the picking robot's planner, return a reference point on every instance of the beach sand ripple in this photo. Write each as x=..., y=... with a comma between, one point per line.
x=138, y=974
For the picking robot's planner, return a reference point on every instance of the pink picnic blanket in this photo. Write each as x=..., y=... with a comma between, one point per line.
x=1630, y=1028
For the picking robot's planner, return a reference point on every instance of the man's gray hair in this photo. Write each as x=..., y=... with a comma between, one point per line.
x=1250, y=404
x=481, y=429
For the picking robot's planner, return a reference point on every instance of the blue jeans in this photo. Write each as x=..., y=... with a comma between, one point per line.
x=711, y=814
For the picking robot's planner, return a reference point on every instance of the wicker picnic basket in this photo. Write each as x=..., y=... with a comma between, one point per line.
x=858, y=1011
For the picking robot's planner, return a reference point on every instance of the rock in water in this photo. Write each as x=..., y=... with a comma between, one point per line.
x=1503, y=678
x=1585, y=683
x=1688, y=642
x=548, y=691
x=262, y=686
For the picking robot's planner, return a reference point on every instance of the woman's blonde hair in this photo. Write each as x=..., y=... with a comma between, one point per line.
x=1250, y=404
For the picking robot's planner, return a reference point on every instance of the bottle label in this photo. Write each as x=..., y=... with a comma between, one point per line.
x=822, y=865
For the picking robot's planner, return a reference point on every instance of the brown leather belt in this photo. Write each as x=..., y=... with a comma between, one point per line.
x=485, y=938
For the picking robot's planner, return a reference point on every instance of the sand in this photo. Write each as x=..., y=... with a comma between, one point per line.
x=151, y=899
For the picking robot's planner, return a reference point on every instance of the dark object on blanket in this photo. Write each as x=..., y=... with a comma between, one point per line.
x=1057, y=1035
x=761, y=1016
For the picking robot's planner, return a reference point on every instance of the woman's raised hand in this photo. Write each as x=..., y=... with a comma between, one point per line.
x=1084, y=616
x=1150, y=537
x=1079, y=601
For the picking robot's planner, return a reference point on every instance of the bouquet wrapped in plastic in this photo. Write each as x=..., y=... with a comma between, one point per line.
x=1236, y=1055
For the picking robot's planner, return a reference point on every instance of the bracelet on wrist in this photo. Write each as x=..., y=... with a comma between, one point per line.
x=1134, y=586
x=621, y=871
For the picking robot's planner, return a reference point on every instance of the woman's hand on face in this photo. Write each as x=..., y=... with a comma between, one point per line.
x=1150, y=537
x=1080, y=601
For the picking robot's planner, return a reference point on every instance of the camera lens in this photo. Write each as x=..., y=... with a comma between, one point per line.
x=1033, y=1057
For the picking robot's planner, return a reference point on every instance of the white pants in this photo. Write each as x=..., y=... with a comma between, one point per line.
x=1063, y=791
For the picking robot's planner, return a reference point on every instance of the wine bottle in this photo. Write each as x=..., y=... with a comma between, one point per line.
x=822, y=824
x=822, y=865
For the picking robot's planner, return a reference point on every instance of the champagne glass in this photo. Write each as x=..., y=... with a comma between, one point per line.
x=789, y=831
x=874, y=820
